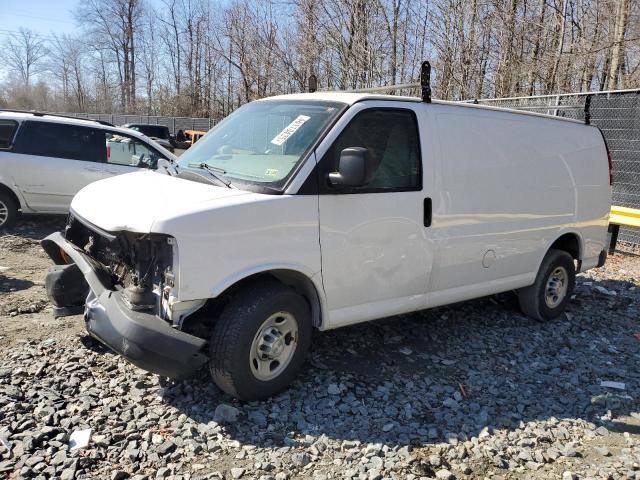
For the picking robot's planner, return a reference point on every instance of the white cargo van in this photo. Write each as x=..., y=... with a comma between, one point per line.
x=323, y=210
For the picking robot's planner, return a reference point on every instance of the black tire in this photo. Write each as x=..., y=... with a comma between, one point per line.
x=8, y=205
x=234, y=333
x=532, y=299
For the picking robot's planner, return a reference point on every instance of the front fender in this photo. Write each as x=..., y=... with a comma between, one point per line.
x=307, y=282
x=236, y=277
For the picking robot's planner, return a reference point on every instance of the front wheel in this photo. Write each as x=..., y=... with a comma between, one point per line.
x=260, y=340
x=547, y=298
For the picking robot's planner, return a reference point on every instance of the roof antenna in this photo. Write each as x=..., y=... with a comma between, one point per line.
x=313, y=83
x=425, y=81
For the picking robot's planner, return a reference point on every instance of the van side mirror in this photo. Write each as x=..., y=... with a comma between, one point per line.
x=354, y=168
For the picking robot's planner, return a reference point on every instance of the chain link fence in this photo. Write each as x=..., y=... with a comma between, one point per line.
x=174, y=123
x=617, y=114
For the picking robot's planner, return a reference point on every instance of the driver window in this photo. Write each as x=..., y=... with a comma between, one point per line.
x=129, y=151
x=391, y=137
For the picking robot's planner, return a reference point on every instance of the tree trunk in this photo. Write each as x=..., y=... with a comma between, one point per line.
x=504, y=75
x=554, y=72
x=617, y=51
x=542, y=7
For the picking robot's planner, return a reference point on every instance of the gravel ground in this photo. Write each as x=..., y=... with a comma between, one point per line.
x=473, y=390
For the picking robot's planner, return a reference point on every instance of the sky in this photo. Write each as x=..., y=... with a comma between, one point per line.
x=42, y=16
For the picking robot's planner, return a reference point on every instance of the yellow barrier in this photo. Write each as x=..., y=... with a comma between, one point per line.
x=627, y=217
x=194, y=135
x=621, y=216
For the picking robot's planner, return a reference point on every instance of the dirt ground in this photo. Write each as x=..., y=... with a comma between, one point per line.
x=25, y=312
x=546, y=360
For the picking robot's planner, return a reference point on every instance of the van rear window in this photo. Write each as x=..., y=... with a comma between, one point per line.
x=7, y=131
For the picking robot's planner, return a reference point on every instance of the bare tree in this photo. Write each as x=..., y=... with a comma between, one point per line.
x=113, y=24
x=67, y=62
x=617, y=50
x=24, y=55
x=204, y=57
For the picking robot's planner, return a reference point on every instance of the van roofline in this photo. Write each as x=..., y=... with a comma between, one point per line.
x=351, y=98
x=23, y=115
x=36, y=113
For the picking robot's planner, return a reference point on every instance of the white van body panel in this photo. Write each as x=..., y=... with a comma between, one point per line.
x=144, y=199
x=504, y=187
x=48, y=184
x=241, y=236
x=7, y=180
x=223, y=235
x=376, y=253
x=508, y=188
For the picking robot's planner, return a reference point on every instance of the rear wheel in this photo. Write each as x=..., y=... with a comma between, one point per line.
x=8, y=211
x=547, y=298
x=260, y=340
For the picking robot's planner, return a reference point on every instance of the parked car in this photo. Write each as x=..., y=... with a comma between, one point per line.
x=158, y=133
x=46, y=159
x=317, y=211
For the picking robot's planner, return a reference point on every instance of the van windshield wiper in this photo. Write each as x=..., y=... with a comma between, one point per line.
x=215, y=172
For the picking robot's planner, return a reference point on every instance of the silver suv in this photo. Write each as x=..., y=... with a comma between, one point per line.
x=46, y=159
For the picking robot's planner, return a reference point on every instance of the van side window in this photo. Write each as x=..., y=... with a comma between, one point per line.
x=58, y=140
x=125, y=150
x=391, y=136
x=7, y=130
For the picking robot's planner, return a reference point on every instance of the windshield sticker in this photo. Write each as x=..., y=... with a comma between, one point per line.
x=289, y=130
x=271, y=172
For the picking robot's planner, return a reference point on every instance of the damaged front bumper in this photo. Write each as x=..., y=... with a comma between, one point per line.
x=143, y=338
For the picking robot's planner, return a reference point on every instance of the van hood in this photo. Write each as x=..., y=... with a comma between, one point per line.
x=134, y=201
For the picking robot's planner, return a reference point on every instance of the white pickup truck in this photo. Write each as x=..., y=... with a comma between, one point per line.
x=324, y=210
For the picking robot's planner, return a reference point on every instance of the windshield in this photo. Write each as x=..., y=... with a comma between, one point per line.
x=262, y=142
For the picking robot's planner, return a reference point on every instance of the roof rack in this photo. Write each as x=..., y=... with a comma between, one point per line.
x=42, y=114
x=424, y=85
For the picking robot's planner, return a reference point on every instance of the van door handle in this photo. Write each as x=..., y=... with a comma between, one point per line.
x=427, y=212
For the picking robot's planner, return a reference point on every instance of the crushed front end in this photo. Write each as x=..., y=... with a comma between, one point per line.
x=126, y=279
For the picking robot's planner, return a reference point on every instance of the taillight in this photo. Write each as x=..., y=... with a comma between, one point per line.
x=108, y=151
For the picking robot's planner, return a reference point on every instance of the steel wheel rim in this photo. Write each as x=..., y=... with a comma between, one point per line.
x=556, y=288
x=274, y=346
x=4, y=213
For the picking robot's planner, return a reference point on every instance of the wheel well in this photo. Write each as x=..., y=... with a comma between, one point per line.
x=11, y=193
x=305, y=287
x=200, y=322
x=570, y=243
